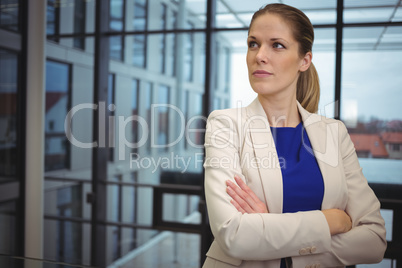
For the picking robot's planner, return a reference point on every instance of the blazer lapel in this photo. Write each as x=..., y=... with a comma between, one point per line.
x=265, y=157
x=325, y=149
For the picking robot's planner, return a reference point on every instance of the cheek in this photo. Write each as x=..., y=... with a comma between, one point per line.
x=291, y=64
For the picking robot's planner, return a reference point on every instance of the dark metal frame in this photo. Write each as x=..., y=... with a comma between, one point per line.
x=100, y=154
x=22, y=100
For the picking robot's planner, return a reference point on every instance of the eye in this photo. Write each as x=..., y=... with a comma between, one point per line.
x=278, y=45
x=252, y=44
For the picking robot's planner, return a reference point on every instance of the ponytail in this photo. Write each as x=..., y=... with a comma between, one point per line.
x=308, y=89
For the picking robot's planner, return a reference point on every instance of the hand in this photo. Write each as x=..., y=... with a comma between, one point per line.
x=338, y=221
x=244, y=199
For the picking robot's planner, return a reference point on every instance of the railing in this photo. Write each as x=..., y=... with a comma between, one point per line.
x=187, y=184
x=390, y=196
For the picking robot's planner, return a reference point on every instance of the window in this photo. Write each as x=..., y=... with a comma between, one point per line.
x=69, y=200
x=8, y=221
x=147, y=109
x=79, y=23
x=162, y=42
x=195, y=130
x=8, y=113
x=9, y=18
x=162, y=118
x=53, y=19
x=188, y=47
x=111, y=110
x=370, y=109
x=134, y=112
x=57, y=106
x=116, y=23
x=172, y=41
x=140, y=15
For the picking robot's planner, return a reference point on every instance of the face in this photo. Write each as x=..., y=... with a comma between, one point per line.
x=273, y=58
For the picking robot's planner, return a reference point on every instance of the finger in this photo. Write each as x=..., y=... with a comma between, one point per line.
x=240, y=192
x=247, y=189
x=239, y=199
x=255, y=203
x=237, y=206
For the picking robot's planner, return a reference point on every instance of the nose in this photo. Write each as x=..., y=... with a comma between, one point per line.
x=262, y=55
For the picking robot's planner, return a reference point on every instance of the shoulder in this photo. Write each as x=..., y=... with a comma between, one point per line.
x=316, y=120
x=227, y=115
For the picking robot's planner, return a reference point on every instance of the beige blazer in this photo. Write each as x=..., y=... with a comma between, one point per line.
x=239, y=141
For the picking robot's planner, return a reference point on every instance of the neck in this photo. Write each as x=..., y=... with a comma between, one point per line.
x=280, y=112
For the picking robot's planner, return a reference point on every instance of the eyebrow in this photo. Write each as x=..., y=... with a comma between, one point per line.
x=272, y=39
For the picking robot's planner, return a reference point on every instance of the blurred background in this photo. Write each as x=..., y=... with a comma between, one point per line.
x=102, y=116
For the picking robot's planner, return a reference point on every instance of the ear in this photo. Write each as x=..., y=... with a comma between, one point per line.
x=306, y=61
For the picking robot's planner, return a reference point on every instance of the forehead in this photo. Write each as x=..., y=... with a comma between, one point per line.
x=270, y=24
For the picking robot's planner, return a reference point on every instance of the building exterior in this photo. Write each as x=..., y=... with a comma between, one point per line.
x=369, y=145
x=393, y=144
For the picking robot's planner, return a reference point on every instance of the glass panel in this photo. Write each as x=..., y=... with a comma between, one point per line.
x=241, y=93
x=146, y=111
x=324, y=62
x=139, y=50
x=398, y=15
x=79, y=22
x=195, y=125
x=116, y=47
x=52, y=18
x=370, y=11
x=67, y=242
x=116, y=15
x=370, y=108
x=319, y=12
x=150, y=16
x=170, y=55
x=8, y=113
x=18, y=261
x=188, y=46
x=57, y=104
x=135, y=112
x=238, y=13
x=9, y=14
x=8, y=225
x=171, y=249
x=67, y=17
x=181, y=208
x=111, y=110
x=162, y=135
x=139, y=16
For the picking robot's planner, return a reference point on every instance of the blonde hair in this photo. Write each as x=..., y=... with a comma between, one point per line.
x=308, y=84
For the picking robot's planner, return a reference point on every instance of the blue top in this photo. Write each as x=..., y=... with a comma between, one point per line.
x=303, y=185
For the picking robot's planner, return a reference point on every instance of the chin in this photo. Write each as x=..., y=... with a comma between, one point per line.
x=263, y=90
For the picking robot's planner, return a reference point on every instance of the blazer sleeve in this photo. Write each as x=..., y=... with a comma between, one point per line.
x=260, y=236
x=365, y=242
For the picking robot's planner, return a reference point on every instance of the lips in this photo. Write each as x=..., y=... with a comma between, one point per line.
x=261, y=73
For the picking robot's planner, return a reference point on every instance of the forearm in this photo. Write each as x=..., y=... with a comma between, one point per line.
x=271, y=236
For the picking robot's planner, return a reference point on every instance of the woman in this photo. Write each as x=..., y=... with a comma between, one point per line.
x=283, y=185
